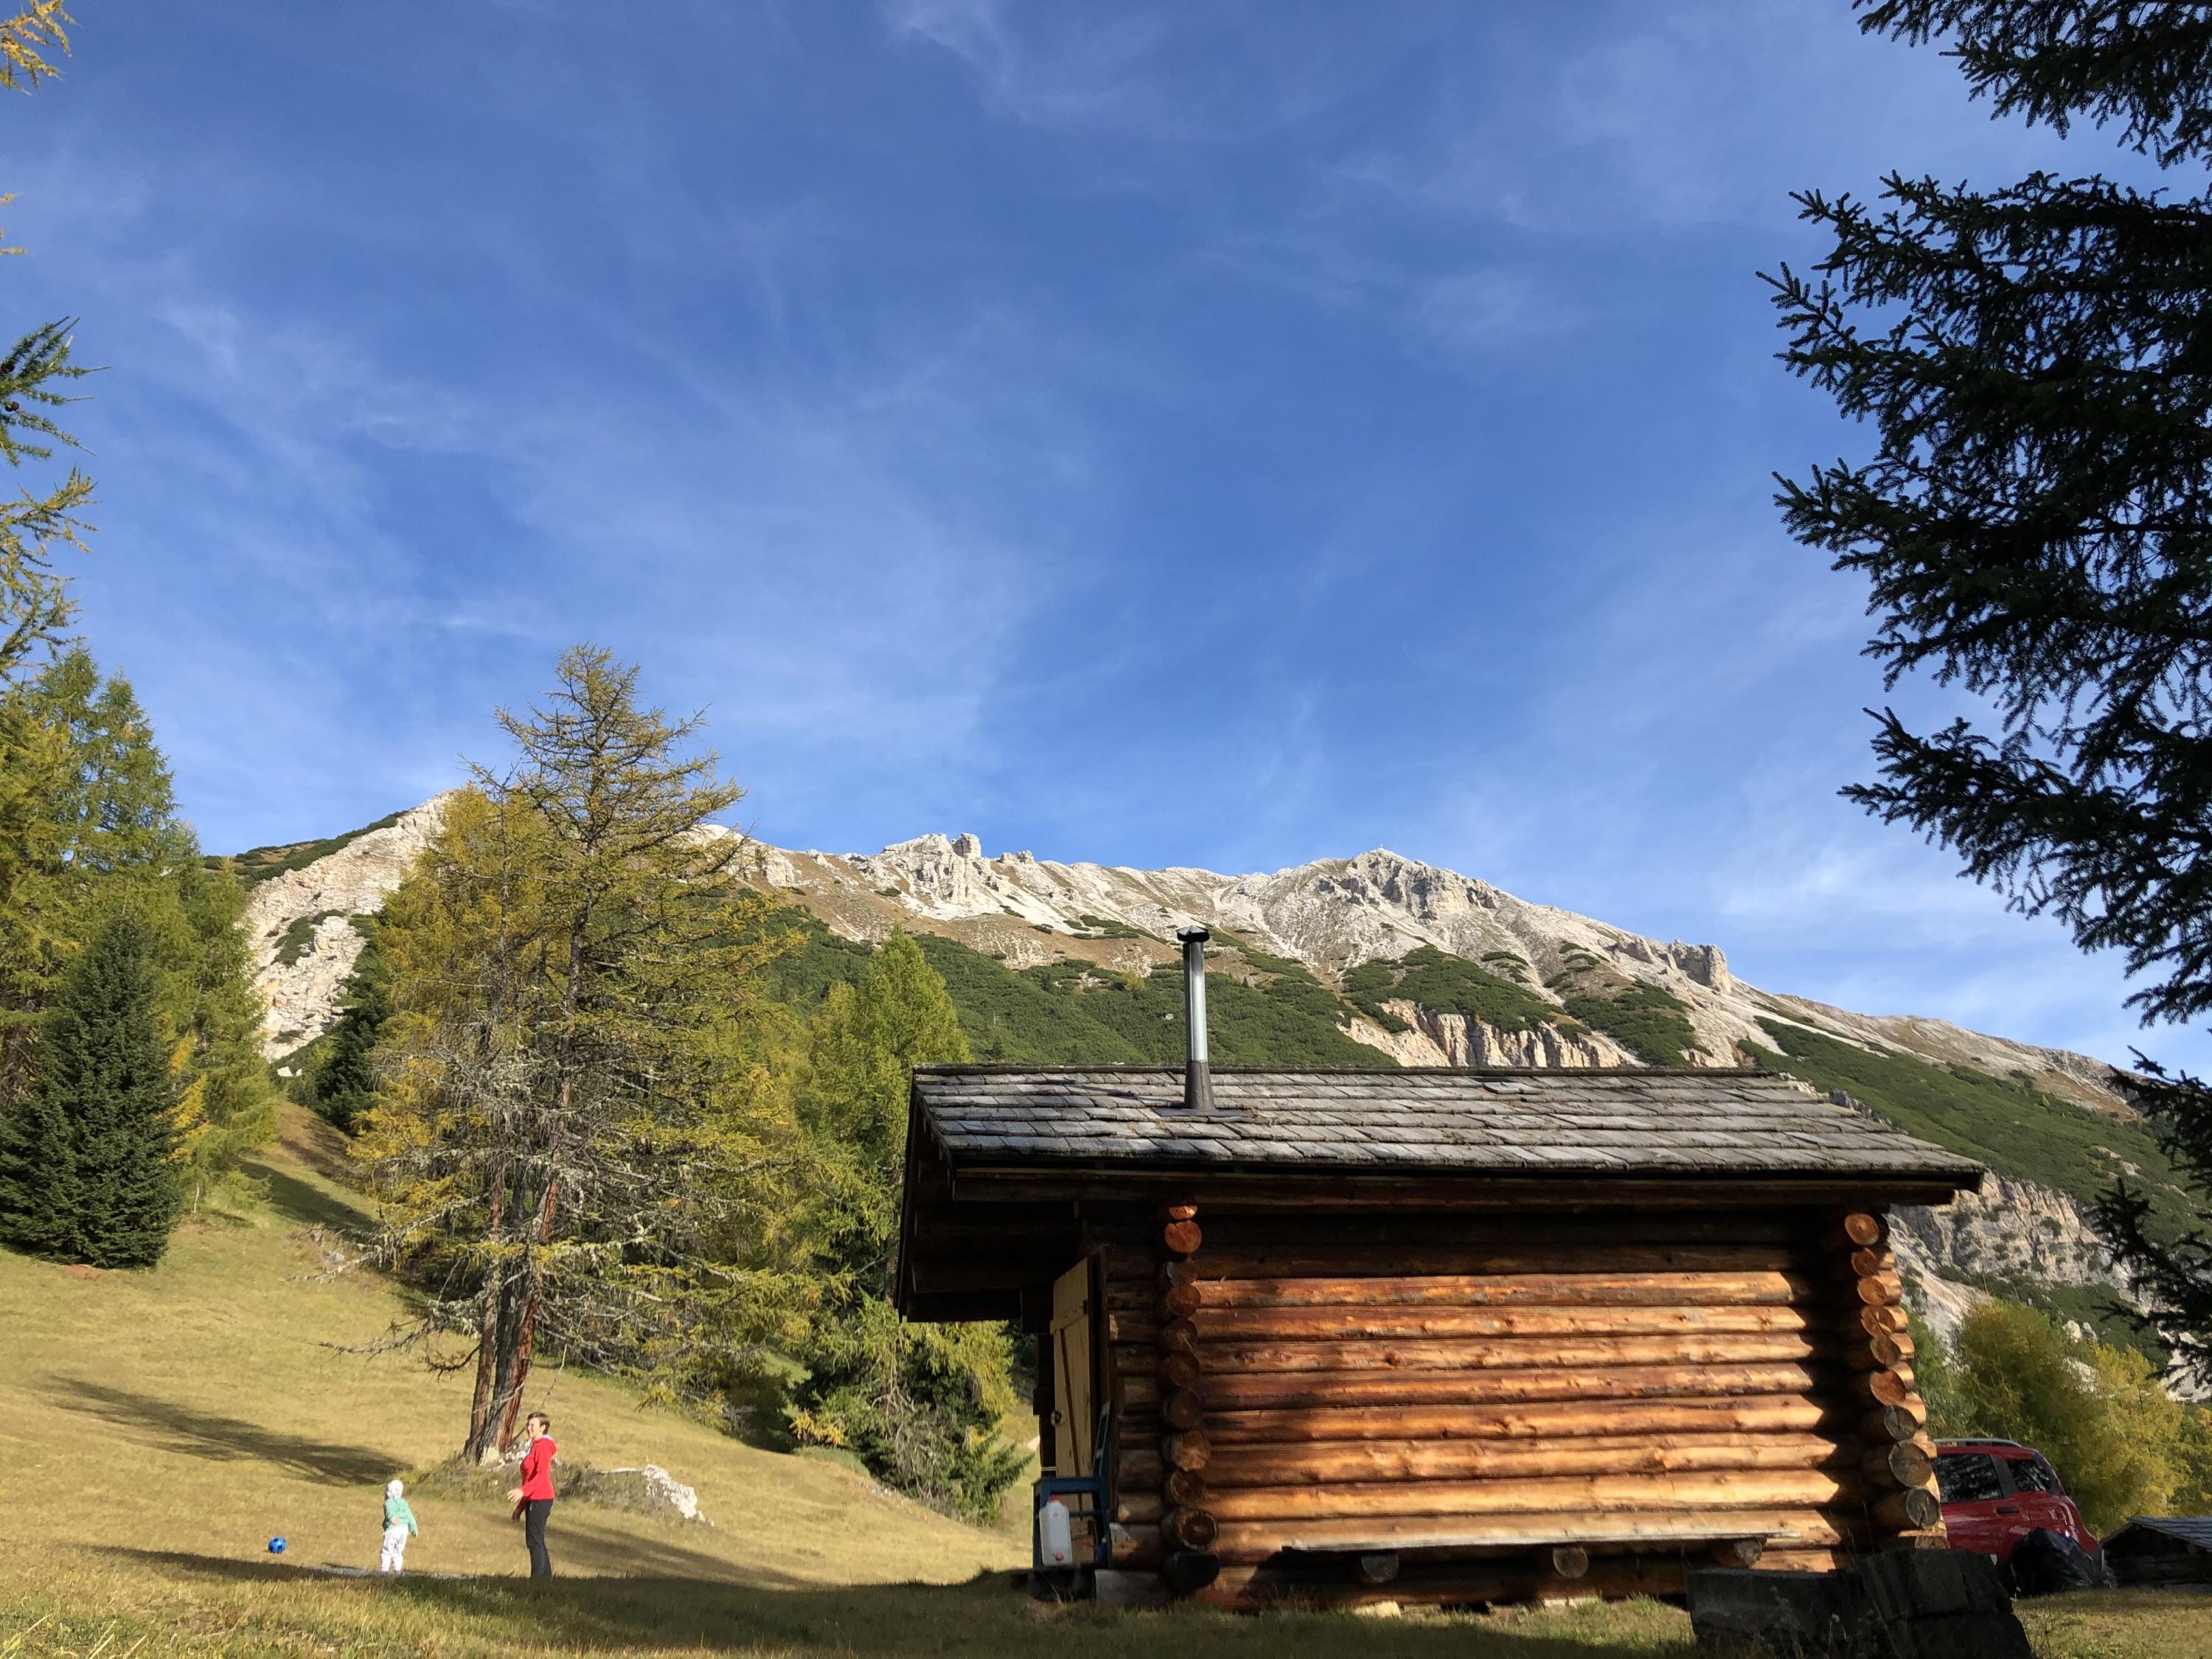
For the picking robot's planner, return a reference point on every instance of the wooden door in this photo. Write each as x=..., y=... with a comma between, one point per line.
x=1074, y=1375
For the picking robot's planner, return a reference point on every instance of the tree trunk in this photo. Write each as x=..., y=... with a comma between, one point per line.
x=526, y=1333
x=480, y=1438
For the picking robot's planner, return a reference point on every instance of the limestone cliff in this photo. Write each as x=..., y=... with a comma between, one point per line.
x=302, y=924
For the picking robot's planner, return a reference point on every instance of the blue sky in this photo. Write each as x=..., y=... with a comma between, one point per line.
x=1212, y=435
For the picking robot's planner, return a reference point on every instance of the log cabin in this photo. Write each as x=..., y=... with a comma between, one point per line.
x=1439, y=1335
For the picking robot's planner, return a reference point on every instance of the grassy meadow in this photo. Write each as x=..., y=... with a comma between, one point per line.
x=156, y=1429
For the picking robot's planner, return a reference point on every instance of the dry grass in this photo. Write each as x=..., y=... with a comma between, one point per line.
x=192, y=1607
x=2121, y=1625
x=156, y=1429
x=201, y=1408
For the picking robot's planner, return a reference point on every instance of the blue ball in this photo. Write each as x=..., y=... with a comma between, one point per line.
x=276, y=1547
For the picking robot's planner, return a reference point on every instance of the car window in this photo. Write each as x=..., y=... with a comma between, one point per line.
x=2033, y=1475
x=1967, y=1478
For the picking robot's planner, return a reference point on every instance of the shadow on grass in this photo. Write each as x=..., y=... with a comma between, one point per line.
x=317, y=1145
x=987, y=1615
x=297, y=1201
x=579, y=1538
x=224, y=1439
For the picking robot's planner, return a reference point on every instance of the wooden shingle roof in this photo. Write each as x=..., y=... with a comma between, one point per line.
x=1696, y=1123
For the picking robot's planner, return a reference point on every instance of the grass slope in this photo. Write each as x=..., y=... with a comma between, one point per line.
x=157, y=1428
x=199, y=1409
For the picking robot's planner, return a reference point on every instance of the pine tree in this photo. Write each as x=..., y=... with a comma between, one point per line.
x=864, y=1046
x=101, y=832
x=228, y=1105
x=344, y=1086
x=86, y=1172
x=2035, y=520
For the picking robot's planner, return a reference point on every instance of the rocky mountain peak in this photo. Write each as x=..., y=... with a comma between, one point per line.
x=1331, y=914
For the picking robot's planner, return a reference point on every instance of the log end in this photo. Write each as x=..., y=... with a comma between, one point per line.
x=1189, y=1529
x=1376, y=1567
x=1188, y=1572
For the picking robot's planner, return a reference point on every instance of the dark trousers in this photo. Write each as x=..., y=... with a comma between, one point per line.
x=534, y=1513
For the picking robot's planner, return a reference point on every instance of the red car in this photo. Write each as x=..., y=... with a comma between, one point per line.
x=1996, y=1493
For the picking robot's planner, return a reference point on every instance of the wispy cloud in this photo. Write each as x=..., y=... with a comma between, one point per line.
x=1486, y=311
x=1681, y=117
x=1215, y=74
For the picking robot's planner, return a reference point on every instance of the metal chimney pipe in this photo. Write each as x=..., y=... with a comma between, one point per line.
x=1197, y=1074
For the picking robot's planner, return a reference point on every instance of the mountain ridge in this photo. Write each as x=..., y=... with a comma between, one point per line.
x=1330, y=915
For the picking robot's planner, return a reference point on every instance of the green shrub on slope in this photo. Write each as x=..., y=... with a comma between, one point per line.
x=1024, y=1018
x=1447, y=984
x=1074, y=1012
x=2020, y=1132
x=1648, y=1022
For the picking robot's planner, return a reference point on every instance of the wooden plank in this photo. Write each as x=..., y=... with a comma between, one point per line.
x=1512, y=1353
x=1553, y=1419
x=1608, y=1451
x=1549, y=1289
x=989, y=1272
x=1074, y=1370
x=1305, y=1260
x=963, y=1307
x=1606, y=1495
x=1229, y=1228
x=1242, y=1542
x=1309, y=1324
x=1308, y=1391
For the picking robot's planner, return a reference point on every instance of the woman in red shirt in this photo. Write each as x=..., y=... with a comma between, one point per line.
x=533, y=1498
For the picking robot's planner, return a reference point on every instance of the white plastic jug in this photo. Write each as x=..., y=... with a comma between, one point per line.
x=1055, y=1548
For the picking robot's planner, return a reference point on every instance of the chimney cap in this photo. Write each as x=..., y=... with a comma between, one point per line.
x=1195, y=930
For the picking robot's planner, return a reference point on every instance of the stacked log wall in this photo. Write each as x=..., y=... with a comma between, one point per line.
x=1400, y=1376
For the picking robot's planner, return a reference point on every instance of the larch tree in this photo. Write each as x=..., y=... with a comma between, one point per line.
x=2035, y=518
x=86, y=1171
x=549, y=1143
x=35, y=524
x=2097, y=1412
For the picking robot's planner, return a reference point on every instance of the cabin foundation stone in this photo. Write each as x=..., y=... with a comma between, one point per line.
x=1931, y=1604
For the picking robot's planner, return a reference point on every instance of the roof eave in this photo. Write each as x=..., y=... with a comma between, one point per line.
x=1042, y=1178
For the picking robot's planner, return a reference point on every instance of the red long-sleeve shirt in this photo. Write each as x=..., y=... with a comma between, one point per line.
x=537, y=1469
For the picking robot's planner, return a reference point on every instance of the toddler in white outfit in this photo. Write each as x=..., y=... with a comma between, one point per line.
x=398, y=1527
